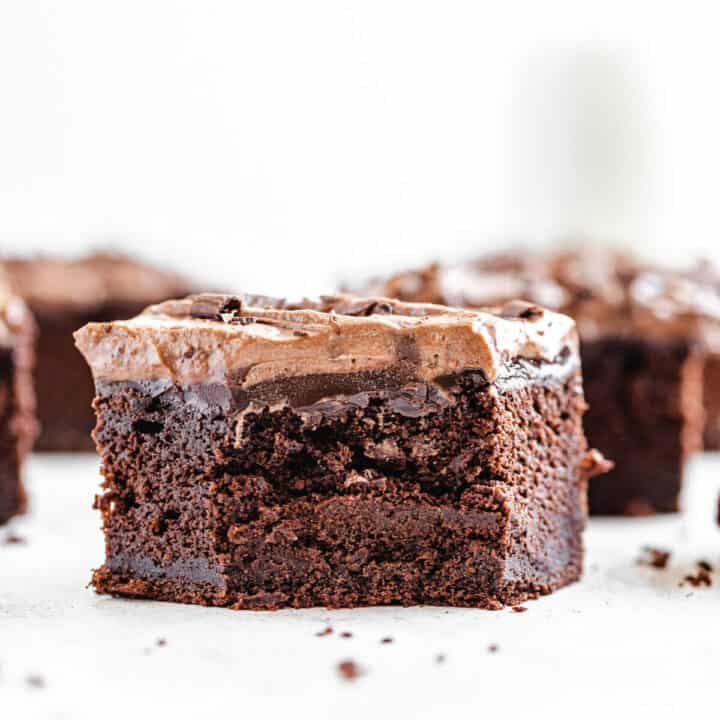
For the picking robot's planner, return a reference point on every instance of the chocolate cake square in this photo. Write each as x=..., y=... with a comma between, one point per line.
x=63, y=295
x=17, y=403
x=646, y=335
x=340, y=452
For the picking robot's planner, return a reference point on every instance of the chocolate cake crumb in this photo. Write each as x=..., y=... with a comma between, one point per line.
x=349, y=670
x=387, y=640
x=346, y=634
x=493, y=648
x=701, y=577
x=35, y=681
x=519, y=608
x=325, y=632
x=15, y=540
x=654, y=557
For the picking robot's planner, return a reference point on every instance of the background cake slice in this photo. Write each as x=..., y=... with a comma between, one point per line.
x=17, y=402
x=259, y=454
x=646, y=335
x=63, y=295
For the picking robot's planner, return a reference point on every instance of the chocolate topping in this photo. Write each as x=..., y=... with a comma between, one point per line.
x=268, y=349
x=14, y=317
x=87, y=282
x=607, y=293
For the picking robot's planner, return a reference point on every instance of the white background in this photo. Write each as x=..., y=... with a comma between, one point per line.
x=279, y=145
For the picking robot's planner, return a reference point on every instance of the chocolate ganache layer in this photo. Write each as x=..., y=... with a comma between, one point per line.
x=323, y=356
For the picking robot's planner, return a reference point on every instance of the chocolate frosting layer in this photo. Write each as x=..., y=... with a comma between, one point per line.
x=88, y=282
x=14, y=318
x=255, y=344
x=608, y=293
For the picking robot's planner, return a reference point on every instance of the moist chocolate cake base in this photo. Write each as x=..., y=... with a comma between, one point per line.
x=711, y=390
x=12, y=496
x=473, y=495
x=646, y=414
x=17, y=420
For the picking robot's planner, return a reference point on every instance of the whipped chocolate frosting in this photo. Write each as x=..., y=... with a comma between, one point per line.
x=14, y=318
x=87, y=282
x=251, y=341
x=608, y=293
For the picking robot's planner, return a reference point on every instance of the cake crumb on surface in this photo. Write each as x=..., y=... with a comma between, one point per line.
x=654, y=557
x=703, y=576
x=349, y=670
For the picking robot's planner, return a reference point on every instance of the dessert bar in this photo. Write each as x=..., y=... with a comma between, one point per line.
x=340, y=452
x=646, y=334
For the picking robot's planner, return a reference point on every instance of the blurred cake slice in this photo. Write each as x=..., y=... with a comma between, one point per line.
x=63, y=295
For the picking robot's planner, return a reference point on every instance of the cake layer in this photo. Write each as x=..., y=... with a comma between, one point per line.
x=647, y=416
x=479, y=500
x=17, y=402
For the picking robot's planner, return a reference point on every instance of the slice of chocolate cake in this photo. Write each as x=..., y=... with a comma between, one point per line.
x=645, y=332
x=344, y=452
x=63, y=295
x=17, y=402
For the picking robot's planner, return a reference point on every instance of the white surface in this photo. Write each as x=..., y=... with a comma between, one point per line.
x=626, y=638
